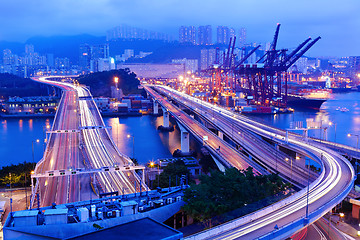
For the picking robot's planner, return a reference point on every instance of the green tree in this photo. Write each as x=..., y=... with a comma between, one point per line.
x=100, y=82
x=18, y=173
x=223, y=192
x=171, y=172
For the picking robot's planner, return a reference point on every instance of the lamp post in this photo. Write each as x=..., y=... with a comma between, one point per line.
x=33, y=152
x=330, y=124
x=116, y=80
x=26, y=204
x=357, y=139
x=45, y=129
x=325, y=137
x=307, y=194
x=133, y=138
x=291, y=163
x=357, y=146
x=276, y=154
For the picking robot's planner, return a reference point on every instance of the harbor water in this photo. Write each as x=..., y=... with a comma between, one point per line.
x=18, y=137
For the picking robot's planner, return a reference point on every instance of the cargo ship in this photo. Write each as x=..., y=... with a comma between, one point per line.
x=257, y=110
x=309, y=98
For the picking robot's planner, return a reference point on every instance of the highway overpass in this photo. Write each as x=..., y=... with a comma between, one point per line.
x=318, y=196
x=80, y=153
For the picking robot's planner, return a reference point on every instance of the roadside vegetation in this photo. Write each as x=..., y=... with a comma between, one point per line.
x=172, y=174
x=100, y=82
x=16, y=174
x=11, y=85
x=219, y=193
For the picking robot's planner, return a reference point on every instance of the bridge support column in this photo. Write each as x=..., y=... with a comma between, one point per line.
x=156, y=108
x=166, y=122
x=220, y=135
x=306, y=134
x=166, y=116
x=184, y=140
x=143, y=177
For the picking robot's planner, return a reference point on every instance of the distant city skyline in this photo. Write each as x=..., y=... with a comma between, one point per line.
x=336, y=23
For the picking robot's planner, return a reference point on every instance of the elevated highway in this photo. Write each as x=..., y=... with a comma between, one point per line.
x=281, y=219
x=223, y=151
x=79, y=141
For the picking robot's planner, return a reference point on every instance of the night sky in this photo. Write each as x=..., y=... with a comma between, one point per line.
x=337, y=22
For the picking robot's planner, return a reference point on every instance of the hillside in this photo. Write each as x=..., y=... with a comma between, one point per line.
x=11, y=85
x=100, y=82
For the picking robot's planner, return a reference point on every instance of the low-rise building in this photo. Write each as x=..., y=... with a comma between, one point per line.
x=30, y=105
x=150, y=70
x=101, y=218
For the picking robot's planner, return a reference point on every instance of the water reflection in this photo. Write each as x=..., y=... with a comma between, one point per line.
x=151, y=144
x=148, y=143
x=30, y=124
x=20, y=125
x=342, y=122
x=16, y=138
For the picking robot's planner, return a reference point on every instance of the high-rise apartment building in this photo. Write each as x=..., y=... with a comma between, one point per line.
x=187, y=34
x=8, y=57
x=242, y=37
x=207, y=58
x=85, y=57
x=205, y=35
x=354, y=62
x=90, y=54
x=128, y=32
x=29, y=49
x=100, y=51
x=224, y=34
x=191, y=65
x=232, y=34
x=33, y=58
x=62, y=63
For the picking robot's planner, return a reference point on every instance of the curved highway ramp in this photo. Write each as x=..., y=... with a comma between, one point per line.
x=81, y=160
x=285, y=217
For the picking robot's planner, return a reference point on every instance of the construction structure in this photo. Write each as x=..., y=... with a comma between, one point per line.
x=263, y=82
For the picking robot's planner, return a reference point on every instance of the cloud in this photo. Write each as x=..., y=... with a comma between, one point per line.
x=335, y=22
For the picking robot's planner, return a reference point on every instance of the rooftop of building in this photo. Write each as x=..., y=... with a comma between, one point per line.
x=112, y=214
x=35, y=99
x=188, y=161
x=145, y=228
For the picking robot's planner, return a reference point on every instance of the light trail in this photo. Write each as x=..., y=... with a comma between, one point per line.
x=86, y=148
x=330, y=187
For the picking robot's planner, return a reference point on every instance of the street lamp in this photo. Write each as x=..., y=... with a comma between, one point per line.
x=307, y=194
x=132, y=136
x=331, y=123
x=357, y=137
x=32, y=147
x=357, y=146
x=116, y=80
x=342, y=215
x=325, y=138
x=291, y=164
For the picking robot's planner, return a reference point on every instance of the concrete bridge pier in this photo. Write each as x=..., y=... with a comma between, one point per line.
x=166, y=122
x=221, y=135
x=166, y=119
x=156, y=108
x=185, y=144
